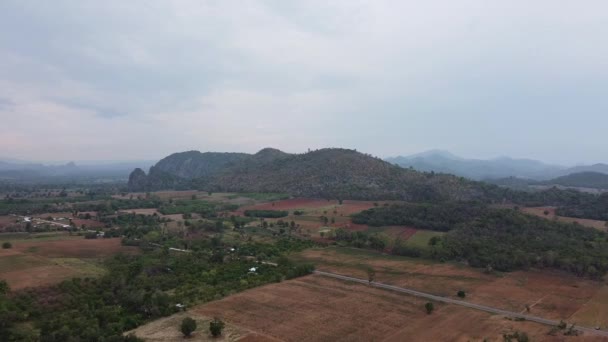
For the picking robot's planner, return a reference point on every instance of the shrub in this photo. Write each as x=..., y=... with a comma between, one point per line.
x=188, y=326
x=92, y=235
x=7, y=245
x=429, y=307
x=215, y=327
x=461, y=294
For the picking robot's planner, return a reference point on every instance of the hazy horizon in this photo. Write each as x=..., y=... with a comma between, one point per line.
x=89, y=162
x=139, y=80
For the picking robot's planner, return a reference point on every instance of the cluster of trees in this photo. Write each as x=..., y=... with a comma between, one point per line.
x=500, y=239
x=135, y=289
x=507, y=240
x=266, y=213
x=359, y=239
x=203, y=208
x=595, y=208
x=442, y=217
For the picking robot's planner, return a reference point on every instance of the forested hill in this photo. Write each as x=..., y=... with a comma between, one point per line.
x=594, y=180
x=330, y=173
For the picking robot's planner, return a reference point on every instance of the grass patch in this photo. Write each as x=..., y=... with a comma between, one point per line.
x=27, y=237
x=84, y=267
x=20, y=262
x=422, y=237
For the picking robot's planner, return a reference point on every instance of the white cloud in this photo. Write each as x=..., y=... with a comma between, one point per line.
x=130, y=79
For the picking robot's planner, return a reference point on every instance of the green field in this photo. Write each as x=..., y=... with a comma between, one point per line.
x=47, y=236
x=422, y=237
x=20, y=262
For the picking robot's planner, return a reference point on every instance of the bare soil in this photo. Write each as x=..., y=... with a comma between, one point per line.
x=315, y=308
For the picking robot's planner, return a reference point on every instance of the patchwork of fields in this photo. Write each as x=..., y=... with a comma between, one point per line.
x=315, y=308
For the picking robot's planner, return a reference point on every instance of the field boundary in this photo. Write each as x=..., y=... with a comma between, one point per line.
x=489, y=309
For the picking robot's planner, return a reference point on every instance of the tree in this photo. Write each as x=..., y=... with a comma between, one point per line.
x=434, y=241
x=216, y=326
x=371, y=274
x=7, y=245
x=188, y=326
x=4, y=288
x=429, y=307
x=461, y=294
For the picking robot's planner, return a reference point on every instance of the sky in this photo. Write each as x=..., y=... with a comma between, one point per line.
x=140, y=79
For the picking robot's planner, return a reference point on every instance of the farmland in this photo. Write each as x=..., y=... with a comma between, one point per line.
x=52, y=258
x=315, y=308
x=549, y=294
x=214, y=226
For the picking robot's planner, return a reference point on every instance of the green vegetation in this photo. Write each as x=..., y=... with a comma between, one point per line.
x=424, y=216
x=595, y=208
x=516, y=336
x=137, y=289
x=429, y=307
x=188, y=326
x=216, y=326
x=507, y=240
x=203, y=208
x=425, y=239
x=266, y=213
x=502, y=239
x=595, y=180
x=7, y=245
x=461, y=294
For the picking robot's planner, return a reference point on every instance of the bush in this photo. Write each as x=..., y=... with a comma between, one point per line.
x=461, y=294
x=90, y=236
x=7, y=245
x=429, y=307
x=215, y=327
x=188, y=326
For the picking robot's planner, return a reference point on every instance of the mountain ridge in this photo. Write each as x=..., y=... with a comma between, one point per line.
x=487, y=169
x=326, y=173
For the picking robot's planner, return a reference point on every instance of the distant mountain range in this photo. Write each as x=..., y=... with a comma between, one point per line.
x=480, y=169
x=17, y=171
x=592, y=182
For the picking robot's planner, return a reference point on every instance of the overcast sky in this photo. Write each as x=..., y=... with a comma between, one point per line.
x=129, y=80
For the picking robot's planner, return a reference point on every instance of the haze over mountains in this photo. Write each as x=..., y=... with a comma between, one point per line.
x=480, y=169
x=13, y=170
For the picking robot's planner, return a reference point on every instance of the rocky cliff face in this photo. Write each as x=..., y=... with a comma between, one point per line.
x=138, y=179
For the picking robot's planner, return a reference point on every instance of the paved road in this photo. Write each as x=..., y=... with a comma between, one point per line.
x=459, y=302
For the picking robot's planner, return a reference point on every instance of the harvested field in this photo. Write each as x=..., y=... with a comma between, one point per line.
x=40, y=263
x=595, y=312
x=76, y=248
x=6, y=221
x=315, y=308
x=550, y=294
